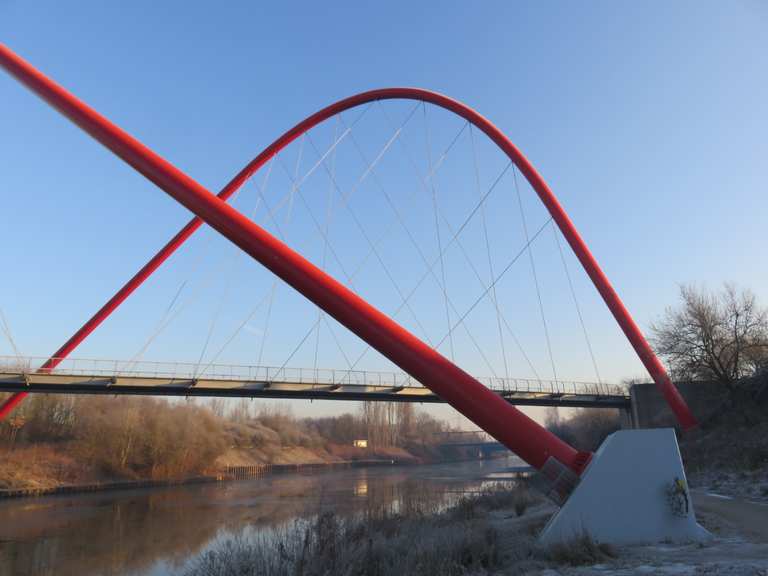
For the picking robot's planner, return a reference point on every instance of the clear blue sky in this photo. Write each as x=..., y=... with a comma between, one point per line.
x=648, y=120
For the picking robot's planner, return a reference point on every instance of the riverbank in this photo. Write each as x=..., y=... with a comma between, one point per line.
x=54, y=441
x=228, y=474
x=43, y=470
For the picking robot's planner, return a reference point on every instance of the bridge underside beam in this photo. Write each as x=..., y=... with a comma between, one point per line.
x=133, y=385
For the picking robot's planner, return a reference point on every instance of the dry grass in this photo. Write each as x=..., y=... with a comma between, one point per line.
x=515, y=496
x=38, y=467
x=581, y=551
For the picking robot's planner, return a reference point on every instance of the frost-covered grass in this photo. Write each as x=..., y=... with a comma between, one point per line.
x=383, y=546
x=483, y=533
x=581, y=551
x=494, y=532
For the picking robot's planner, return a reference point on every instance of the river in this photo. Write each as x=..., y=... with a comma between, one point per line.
x=155, y=531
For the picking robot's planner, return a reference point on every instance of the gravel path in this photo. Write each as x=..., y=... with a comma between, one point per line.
x=744, y=516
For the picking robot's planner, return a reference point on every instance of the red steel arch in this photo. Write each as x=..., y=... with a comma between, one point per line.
x=461, y=390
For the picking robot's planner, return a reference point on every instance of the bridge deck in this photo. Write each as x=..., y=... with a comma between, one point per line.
x=15, y=381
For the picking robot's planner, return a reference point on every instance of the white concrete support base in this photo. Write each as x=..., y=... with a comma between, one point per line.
x=627, y=494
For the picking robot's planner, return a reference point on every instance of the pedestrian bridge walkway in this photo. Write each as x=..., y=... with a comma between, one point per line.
x=93, y=376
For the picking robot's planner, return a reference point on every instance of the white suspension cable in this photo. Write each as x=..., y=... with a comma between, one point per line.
x=169, y=317
x=455, y=237
x=319, y=230
x=263, y=339
x=128, y=366
x=430, y=270
x=501, y=275
x=493, y=296
x=381, y=238
x=9, y=337
x=375, y=251
x=400, y=220
x=535, y=277
x=217, y=313
x=443, y=283
x=288, y=216
x=576, y=304
x=262, y=199
x=345, y=198
x=344, y=201
x=328, y=212
x=232, y=336
x=295, y=183
x=229, y=275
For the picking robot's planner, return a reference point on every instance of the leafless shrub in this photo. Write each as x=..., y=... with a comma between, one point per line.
x=582, y=550
x=126, y=437
x=586, y=428
x=521, y=503
x=465, y=509
x=501, y=496
x=141, y=437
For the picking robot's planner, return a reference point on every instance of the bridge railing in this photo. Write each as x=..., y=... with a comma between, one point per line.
x=553, y=386
x=272, y=374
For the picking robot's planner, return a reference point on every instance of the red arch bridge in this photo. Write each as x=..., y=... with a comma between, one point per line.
x=430, y=362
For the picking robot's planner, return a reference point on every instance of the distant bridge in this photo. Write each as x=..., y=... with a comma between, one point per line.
x=86, y=376
x=473, y=439
x=482, y=447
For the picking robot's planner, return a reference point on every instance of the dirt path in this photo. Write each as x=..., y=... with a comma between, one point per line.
x=742, y=516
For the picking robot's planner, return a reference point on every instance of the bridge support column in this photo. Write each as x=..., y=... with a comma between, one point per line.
x=626, y=418
x=633, y=491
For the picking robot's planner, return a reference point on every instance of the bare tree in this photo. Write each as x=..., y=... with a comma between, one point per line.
x=714, y=336
x=584, y=428
x=218, y=406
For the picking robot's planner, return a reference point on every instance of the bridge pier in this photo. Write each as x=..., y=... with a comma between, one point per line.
x=627, y=418
x=633, y=491
x=649, y=409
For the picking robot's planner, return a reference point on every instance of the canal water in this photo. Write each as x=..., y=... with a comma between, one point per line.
x=155, y=531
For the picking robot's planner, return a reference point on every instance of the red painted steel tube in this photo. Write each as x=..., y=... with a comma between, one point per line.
x=510, y=426
x=10, y=404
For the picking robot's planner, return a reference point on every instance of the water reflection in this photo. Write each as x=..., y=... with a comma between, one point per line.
x=361, y=488
x=154, y=532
